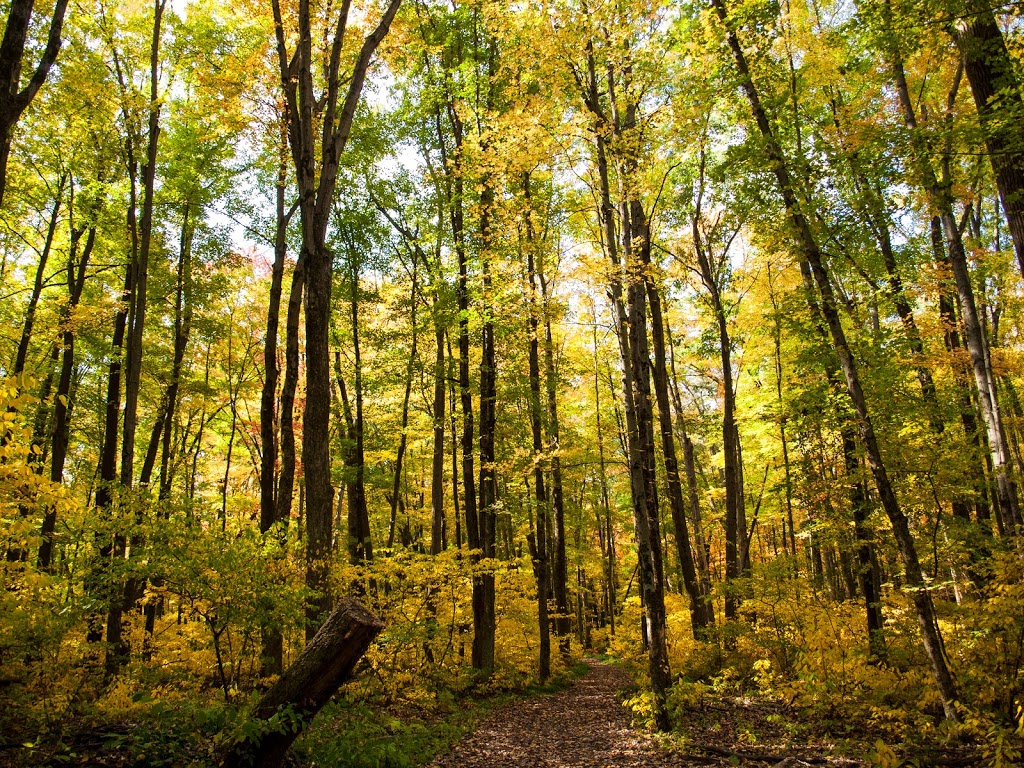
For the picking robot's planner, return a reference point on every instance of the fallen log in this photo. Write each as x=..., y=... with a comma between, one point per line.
x=293, y=701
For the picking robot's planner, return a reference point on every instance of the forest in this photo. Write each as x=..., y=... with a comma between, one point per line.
x=367, y=368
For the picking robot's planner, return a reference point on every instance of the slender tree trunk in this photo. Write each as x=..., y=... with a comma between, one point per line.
x=402, y=440
x=811, y=254
x=268, y=397
x=869, y=587
x=941, y=199
x=141, y=235
x=735, y=519
x=563, y=625
x=286, y=480
x=14, y=98
x=137, y=314
x=538, y=538
x=182, y=329
x=37, y=285
x=437, y=518
x=995, y=87
x=631, y=326
x=316, y=179
x=700, y=544
x=605, y=503
x=163, y=424
x=484, y=619
x=968, y=416
x=642, y=463
x=62, y=404
x=701, y=613
x=777, y=339
x=360, y=545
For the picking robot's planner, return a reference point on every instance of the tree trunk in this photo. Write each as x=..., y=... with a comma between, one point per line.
x=605, y=503
x=631, y=327
x=360, y=543
x=13, y=97
x=137, y=311
x=327, y=662
x=701, y=612
x=811, y=254
x=37, y=285
x=484, y=619
x=403, y=440
x=996, y=90
x=735, y=517
x=560, y=575
x=268, y=397
x=62, y=404
x=700, y=544
x=941, y=200
x=182, y=329
x=537, y=539
x=286, y=480
x=437, y=518
x=316, y=179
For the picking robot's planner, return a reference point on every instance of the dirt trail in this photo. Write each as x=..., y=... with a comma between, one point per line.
x=582, y=726
x=585, y=726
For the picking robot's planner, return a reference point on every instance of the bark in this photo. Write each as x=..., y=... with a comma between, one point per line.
x=537, y=539
x=642, y=463
x=15, y=97
x=605, y=503
x=316, y=180
x=437, y=518
x=700, y=545
x=98, y=582
x=995, y=87
x=631, y=329
x=810, y=253
x=271, y=369
x=777, y=340
x=869, y=585
x=403, y=440
x=701, y=611
x=63, y=403
x=38, y=283
x=484, y=619
x=286, y=480
x=357, y=519
x=182, y=330
x=140, y=265
x=560, y=572
x=327, y=662
x=140, y=231
x=940, y=198
x=735, y=518
x=164, y=422
x=233, y=394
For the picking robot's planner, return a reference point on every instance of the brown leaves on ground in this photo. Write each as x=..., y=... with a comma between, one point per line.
x=586, y=726
x=583, y=726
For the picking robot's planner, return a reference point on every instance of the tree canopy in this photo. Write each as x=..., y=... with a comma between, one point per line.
x=685, y=333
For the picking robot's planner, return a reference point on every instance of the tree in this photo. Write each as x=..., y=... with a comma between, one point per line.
x=16, y=96
x=316, y=167
x=810, y=253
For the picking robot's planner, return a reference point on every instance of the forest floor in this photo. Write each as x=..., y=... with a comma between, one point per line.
x=586, y=726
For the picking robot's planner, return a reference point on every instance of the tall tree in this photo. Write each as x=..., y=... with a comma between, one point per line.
x=316, y=161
